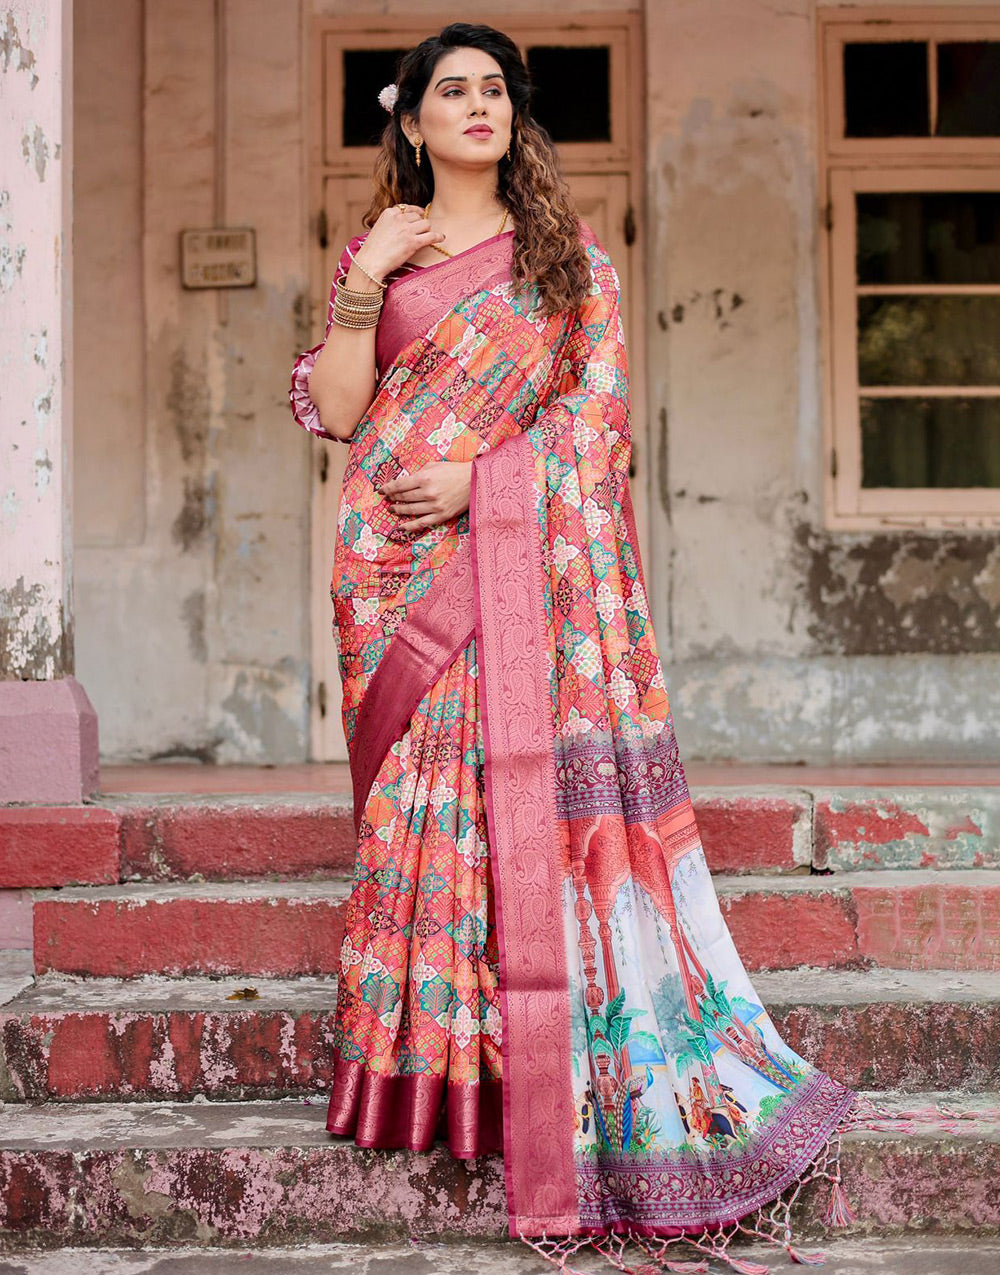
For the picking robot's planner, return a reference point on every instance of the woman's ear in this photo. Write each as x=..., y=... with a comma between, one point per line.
x=410, y=130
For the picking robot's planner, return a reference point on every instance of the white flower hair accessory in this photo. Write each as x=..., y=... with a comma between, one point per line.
x=387, y=97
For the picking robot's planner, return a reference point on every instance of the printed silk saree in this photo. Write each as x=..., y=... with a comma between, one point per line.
x=535, y=961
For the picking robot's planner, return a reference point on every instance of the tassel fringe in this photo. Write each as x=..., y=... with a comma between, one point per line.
x=770, y=1223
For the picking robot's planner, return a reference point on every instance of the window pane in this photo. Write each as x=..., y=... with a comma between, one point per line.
x=572, y=96
x=969, y=89
x=885, y=89
x=910, y=237
x=930, y=442
x=929, y=340
x=366, y=73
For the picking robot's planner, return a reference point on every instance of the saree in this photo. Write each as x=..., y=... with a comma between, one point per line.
x=535, y=961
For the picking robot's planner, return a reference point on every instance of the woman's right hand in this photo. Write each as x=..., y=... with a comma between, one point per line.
x=397, y=234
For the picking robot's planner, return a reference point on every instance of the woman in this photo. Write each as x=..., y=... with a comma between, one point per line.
x=535, y=961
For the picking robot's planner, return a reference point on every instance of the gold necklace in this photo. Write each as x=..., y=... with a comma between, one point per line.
x=438, y=248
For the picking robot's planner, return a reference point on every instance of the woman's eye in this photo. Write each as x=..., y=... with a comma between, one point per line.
x=494, y=91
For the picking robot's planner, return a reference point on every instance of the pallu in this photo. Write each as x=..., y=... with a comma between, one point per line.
x=535, y=961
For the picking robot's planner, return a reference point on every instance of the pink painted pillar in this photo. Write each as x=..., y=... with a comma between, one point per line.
x=48, y=728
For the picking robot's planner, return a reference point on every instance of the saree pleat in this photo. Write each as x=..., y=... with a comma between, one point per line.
x=418, y=1022
x=535, y=959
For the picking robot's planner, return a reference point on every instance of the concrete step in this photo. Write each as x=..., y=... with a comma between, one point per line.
x=304, y=836
x=176, y=838
x=907, y=919
x=149, y=1039
x=854, y=1256
x=268, y=1173
x=904, y=919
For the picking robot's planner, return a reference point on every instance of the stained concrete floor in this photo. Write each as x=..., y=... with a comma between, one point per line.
x=844, y=1257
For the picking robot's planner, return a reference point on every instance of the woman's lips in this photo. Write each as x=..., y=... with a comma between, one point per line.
x=479, y=132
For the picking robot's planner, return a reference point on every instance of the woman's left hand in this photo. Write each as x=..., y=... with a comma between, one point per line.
x=435, y=494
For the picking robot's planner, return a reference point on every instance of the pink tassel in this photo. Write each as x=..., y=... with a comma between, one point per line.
x=839, y=1211
x=744, y=1267
x=805, y=1259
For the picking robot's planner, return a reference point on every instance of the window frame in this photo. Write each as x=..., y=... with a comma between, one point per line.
x=598, y=29
x=852, y=165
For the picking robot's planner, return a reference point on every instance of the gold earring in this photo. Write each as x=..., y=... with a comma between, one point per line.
x=419, y=144
x=508, y=150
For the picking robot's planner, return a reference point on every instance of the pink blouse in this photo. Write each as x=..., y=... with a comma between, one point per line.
x=415, y=297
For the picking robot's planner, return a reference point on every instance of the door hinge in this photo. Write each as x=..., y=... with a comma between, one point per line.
x=322, y=228
x=321, y=698
x=324, y=465
x=833, y=462
x=828, y=215
x=629, y=226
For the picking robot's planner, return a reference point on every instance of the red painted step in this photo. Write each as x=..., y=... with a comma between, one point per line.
x=55, y=845
x=905, y=920
x=153, y=1039
x=303, y=836
x=267, y=1174
x=916, y=919
x=861, y=828
x=267, y=928
x=307, y=836
x=239, y=838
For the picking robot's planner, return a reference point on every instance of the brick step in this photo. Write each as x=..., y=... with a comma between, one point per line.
x=853, y=1256
x=151, y=1039
x=303, y=836
x=908, y=919
x=268, y=1173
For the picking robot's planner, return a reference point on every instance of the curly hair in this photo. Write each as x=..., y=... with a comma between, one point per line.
x=548, y=250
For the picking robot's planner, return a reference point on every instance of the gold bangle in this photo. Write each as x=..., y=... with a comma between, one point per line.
x=381, y=284
x=365, y=307
x=349, y=308
x=356, y=327
x=348, y=320
x=361, y=298
x=353, y=309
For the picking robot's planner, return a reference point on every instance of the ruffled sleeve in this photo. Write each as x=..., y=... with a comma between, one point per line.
x=304, y=410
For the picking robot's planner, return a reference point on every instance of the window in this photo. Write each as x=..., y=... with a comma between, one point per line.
x=592, y=127
x=911, y=135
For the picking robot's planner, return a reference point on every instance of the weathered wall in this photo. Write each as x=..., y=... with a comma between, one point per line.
x=36, y=424
x=192, y=570
x=780, y=639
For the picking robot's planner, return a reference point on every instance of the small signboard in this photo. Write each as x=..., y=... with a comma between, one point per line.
x=221, y=257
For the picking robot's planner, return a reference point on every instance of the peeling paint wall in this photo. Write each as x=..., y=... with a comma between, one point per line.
x=193, y=570
x=780, y=639
x=36, y=617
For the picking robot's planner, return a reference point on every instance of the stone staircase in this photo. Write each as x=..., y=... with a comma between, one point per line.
x=144, y=1107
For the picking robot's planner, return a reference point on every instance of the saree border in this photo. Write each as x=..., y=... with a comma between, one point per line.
x=520, y=800
x=437, y=628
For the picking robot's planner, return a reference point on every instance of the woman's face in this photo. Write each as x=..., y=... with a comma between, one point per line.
x=466, y=90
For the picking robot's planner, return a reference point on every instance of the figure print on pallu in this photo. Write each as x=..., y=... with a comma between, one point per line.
x=531, y=896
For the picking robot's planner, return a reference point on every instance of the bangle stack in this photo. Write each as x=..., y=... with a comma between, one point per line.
x=353, y=309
